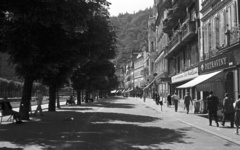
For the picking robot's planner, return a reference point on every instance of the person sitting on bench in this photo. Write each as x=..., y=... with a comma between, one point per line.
x=7, y=110
x=70, y=100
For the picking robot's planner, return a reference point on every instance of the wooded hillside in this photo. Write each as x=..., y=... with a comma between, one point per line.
x=131, y=33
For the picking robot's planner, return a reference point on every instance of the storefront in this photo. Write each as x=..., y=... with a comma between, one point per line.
x=181, y=79
x=218, y=74
x=163, y=83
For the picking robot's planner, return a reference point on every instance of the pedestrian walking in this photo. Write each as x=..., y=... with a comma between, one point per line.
x=144, y=96
x=187, y=100
x=237, y=114
x=157, y=98
x=228, y=110
x=169, y=100
x=175, y=98
x=161, y=103
x=212, y=102
x=39, y=103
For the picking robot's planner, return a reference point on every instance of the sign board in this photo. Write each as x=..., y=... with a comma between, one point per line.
x=188, y=75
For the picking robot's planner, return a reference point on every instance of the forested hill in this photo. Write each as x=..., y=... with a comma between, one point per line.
x=131, y=33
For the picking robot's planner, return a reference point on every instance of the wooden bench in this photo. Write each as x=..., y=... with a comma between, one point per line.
x=10, y=117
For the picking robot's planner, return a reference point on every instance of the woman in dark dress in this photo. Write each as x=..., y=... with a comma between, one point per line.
x=169, y=100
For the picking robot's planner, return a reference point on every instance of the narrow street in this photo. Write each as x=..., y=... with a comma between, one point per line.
x=111, y=124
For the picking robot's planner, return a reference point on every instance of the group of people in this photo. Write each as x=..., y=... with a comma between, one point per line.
x=7, y=108
x=230, y=110
x=175, y=99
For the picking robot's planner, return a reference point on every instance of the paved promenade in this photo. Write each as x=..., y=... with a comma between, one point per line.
x=199, y=121
x=48, y=123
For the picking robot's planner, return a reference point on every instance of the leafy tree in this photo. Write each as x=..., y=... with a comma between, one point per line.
x=28, y=33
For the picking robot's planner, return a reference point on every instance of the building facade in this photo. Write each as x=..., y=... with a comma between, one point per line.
x=219, y=47
x=193, y=46
x=138, y=71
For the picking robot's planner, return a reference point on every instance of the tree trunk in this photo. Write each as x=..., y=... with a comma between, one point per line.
x=78, y=97
x=52, y=98
x=26, y=98
x=58, y=101
x=82, y=95
x=87, y=96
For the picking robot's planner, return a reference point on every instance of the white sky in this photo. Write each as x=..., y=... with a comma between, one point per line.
x=130, y=6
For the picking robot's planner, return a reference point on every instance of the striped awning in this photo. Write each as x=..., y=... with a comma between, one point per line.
x=202, y=79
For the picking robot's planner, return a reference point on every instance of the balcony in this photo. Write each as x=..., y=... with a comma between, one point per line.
x=164, y=4
x=188, y=31
x=207, y=4
x=173, y=45
x=176, y=12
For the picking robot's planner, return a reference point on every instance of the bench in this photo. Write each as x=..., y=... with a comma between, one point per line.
x=70, y=102
x=10, y=117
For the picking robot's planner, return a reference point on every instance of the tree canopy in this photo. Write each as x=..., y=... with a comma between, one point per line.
x=45, y=38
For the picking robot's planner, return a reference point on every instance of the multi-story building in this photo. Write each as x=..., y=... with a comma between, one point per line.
x=150, y=56
x=196, y=44
x=128, y=75
x=181, y=25
x=176, y=51
x=162, y=39
x=219, y=47
x=138, y=71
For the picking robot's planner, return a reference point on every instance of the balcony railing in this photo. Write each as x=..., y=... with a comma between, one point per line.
x=173, y=44
x=188, y=30
x=206, y=4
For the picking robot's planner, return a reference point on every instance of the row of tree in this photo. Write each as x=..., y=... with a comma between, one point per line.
x=52, y=41
x=12, y=88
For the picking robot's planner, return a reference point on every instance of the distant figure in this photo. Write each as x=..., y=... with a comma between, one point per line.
x=157, y=98
x=212, y=102
x=7, y=110
x=39, y=103
x=144, y=95
x=187, y=100
x=228, y=110
x=237, y=113
x=70, y=100
x=169, y=100
x=175, y=98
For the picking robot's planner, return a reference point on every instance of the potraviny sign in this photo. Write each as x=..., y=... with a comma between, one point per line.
x=216, y=63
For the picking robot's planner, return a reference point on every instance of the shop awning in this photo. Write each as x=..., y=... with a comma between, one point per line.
x=199, y=80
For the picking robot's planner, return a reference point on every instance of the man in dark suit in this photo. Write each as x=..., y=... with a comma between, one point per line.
x=212, y=102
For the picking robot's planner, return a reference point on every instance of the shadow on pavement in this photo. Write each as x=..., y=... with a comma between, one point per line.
x=115, y=103
x=70, y=128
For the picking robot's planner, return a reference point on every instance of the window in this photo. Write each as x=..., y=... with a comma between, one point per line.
x=217, y=30
x=152, y=46
x=209, y=35
x=152, y=66
x=221, y=29
x=205, y=40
